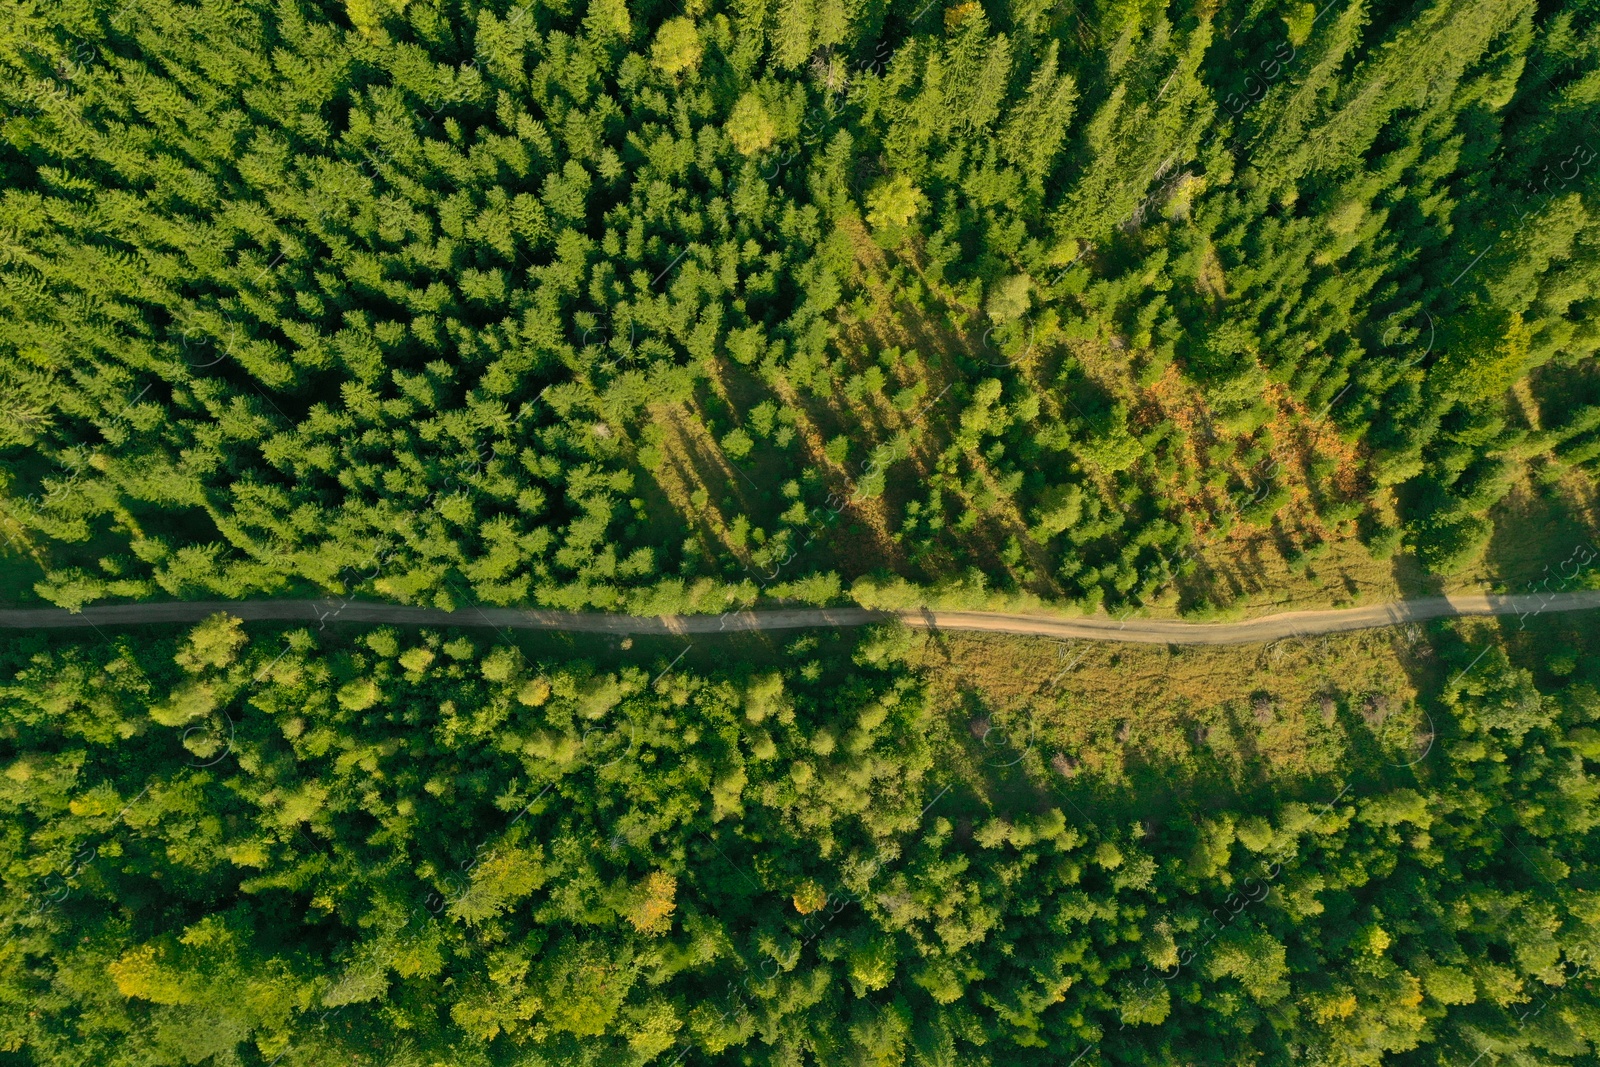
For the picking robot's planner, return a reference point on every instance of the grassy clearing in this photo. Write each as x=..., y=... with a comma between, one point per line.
x=1155, y=722
x=1134, y=732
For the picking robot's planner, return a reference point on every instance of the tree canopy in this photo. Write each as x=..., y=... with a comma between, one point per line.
x=414, y=847
x=668, y=308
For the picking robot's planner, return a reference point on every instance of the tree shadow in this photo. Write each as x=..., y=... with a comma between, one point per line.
x=1540, y=542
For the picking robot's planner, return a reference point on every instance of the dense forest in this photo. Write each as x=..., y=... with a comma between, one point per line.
x=668, y=307
x=677, y=307
x=372, y=846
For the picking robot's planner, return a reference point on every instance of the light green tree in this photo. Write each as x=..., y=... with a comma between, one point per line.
x=749, y=126
x=894, y=203
x=677, y=47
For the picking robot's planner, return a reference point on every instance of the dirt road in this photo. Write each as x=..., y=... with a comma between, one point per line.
x=1091, y=627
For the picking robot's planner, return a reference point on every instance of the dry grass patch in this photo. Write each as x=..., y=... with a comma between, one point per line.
x=1120, y=715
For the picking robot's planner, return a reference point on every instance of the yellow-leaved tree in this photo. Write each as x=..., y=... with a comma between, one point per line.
x=366, y=15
